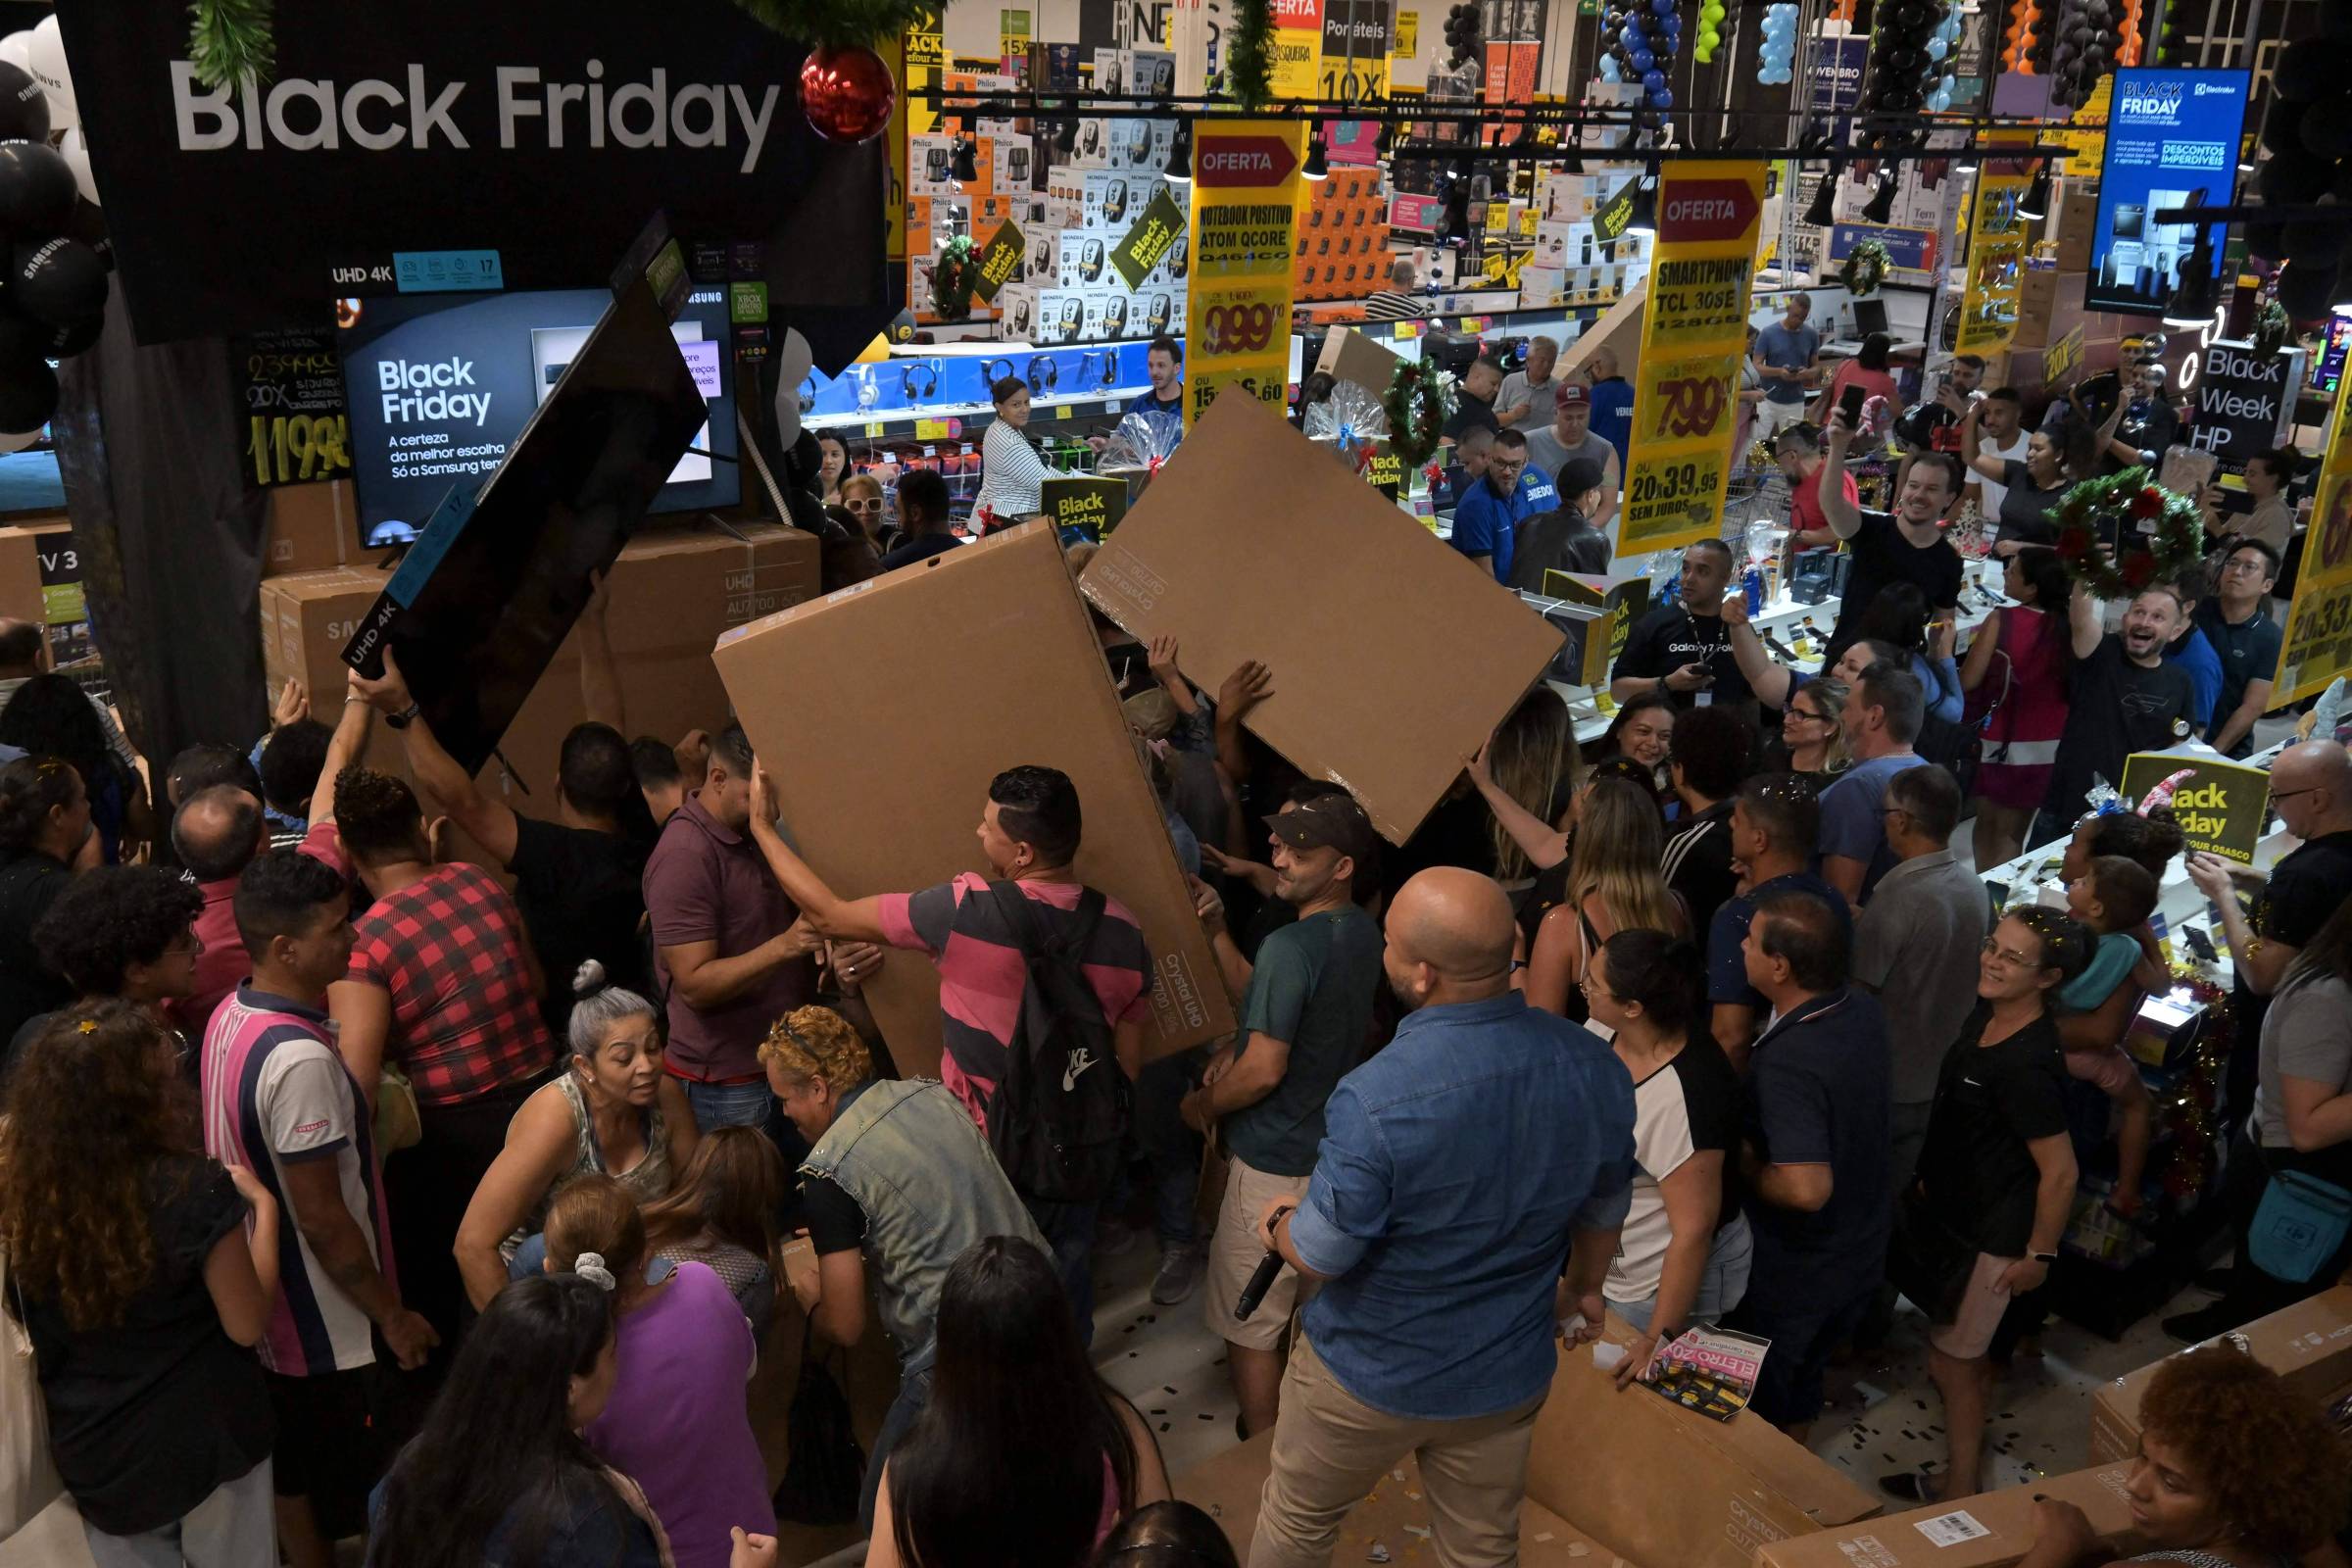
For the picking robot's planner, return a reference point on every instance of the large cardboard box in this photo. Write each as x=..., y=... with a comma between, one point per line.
x=40, y=574
x=1350, y=356
x=2308, y=1344
x=311, y=527
x=1392, y=657
x=674, y=593
x=1605, y=1457
x=883, y=711
x=1394, y=1520
x=1990, y=1530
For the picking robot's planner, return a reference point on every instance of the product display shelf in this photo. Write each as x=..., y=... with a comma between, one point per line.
x=954, y=421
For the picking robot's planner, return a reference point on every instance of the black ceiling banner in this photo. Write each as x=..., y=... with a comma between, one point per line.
x=440, y=145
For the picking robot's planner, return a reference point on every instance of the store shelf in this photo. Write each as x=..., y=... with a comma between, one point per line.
x=962, y=421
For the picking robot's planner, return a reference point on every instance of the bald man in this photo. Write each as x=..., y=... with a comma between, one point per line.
x=1612, y=403
x=1458, y=1166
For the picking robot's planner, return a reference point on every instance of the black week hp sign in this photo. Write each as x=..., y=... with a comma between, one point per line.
x=536, y=135
x=2241, y=402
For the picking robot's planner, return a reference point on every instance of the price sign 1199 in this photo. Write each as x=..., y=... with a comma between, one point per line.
x=288, y=448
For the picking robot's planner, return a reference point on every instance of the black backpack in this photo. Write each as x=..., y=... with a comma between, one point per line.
x=1059, y=1117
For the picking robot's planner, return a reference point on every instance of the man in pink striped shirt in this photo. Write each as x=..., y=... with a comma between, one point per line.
x=278, y=1102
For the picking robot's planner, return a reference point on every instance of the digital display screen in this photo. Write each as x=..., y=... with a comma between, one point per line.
x=2172, y=142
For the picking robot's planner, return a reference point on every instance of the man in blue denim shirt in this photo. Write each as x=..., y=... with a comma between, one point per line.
x=1459, y=1167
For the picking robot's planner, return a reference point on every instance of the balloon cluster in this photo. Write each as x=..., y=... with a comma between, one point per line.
x=52, y=238
x=1943, y=66
x=1899, y=63
x=2081, y=50
x=1639, y=42
x=1464, y=33
x=1710, y=32
x=2309, y=135
x=1775, y=59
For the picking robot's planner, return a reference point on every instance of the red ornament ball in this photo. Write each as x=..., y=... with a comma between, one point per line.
x=2149, y=503
x=847, y=93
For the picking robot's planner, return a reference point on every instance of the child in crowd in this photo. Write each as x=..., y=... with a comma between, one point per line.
x=2114, y=896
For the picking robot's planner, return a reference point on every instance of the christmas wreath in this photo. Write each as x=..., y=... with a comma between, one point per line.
x=1865, y=269
x=2176, y=544
x=1416, y=403
x=952, y=279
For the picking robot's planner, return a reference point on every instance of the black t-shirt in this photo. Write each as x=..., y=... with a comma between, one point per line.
x=1469, y=414
x=1672, y=636
x=2025, y=509
x=1454, y=833
x=1881, y=555
x=2304, y=890
x=1991, y=1103
x=29, y=882
x=1698, y=862
x=2116, y=708
x=836, y=1224
x=582, y=896
x=2147, y=427
x=922, y=549
x=148, y=1415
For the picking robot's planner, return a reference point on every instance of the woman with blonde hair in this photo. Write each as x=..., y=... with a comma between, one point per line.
x=1811, y=741
x=1614, y=885
x=1531, y=773
x=897, y=1180
x=678, y=1422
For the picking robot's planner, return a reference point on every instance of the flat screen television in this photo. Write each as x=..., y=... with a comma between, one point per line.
x=488, y=593
x=440, y=386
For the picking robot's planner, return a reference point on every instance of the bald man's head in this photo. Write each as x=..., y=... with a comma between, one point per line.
x=2311, y=784
x=1602, y=363
x=1450, y=938
x=217, y=832
x=19, y=647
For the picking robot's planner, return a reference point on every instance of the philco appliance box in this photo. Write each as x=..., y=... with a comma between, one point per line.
x=2308, y=1344
x=1990, y=1530
x=882, y=757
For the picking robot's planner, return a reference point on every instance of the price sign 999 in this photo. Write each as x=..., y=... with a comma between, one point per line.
x=1239, y=327
x=288, y=447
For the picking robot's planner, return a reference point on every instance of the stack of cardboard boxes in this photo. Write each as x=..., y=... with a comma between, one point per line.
x=1569, y=265
x=1344, y=237
x=675, y=591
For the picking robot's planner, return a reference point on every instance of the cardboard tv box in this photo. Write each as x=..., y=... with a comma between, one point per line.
x=1391, y=1525
x=2308, y=1344
x=674, y=593
x=1605, y=1458
x=883, y=711
x=40, y=574
x=311, y=527
x=1392, y=657
x=1990, y=1530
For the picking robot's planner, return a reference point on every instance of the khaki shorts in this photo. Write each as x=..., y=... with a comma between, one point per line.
x=1982, y=1303
x=1235, y=1252
x=2110, y=1068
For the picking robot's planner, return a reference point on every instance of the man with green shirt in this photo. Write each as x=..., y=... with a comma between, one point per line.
x=1307, y=1017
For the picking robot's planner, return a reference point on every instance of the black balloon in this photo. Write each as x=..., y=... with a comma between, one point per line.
x=2267, y=240
x=2306, y=293
x=36, y=188
x=78, y=337
x=2327, y=127
x=1904, y=60
x=27, y=396
x=2310, y=69
x=23, y=106
x=2314, y=243
x=2282, y=128
x=88, y=225
x=2291, y=178
x=2335, y=20
x=60, y=281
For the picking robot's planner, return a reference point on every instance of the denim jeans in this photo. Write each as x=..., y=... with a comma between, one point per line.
x=1720, y=1287
x=716, y=1105
x=915, y=1392
x=1069, y=1230
x=1171, y=1149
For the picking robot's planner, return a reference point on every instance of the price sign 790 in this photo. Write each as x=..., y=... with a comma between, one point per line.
x=1237, y=328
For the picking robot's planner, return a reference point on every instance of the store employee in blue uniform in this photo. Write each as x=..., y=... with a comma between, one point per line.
x=1486, y=520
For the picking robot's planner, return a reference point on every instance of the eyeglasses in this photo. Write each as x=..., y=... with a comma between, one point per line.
x=2005, y=958
x=1583, y=982
x=2249, y=566
x=1810, y=718
x=873, y=505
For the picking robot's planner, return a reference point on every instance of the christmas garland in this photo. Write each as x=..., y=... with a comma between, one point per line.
x=2177, y=543
x=952, y=279
x=1249, y=63
x=1416, y=403
x=230, y=39
x=1865, y=269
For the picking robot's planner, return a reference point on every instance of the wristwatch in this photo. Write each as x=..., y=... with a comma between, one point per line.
x=2043, y=1257
x=400, y=719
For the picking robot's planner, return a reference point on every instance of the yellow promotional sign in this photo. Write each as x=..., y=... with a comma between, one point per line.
x=2089, y=144
x=1297, y=47
x=2319, y=621
x=895, y=54
x=1405, y=44
x=1996, y=252
x=1245, y=228
x=926, y=57
x=1694, y=333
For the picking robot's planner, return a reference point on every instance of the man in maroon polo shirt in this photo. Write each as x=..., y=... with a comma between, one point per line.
x=731, y=951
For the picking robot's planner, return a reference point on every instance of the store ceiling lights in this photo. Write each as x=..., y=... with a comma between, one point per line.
x=1881, y=205
x=2036, y=204
x=1318, y=161
x=1180, y=155
x=1645, y=220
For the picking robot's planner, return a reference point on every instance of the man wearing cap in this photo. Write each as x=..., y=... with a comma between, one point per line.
x=1306, y=1019
x=1572, y=436
x=1563, y=540
x=1486, y=518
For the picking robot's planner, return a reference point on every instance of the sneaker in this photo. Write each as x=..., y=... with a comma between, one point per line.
x=2195, y=1328
x=1180, y=1268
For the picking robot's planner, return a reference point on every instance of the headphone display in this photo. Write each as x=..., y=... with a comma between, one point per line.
x=989, y=374
x=1044, y=375
x=1110, y=367
x=929, y=369
x=809, y=392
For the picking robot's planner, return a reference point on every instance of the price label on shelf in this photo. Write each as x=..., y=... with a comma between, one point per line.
x=930, y=429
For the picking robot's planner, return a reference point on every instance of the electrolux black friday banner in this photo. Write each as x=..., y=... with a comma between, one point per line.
x=440, y=388
x=2172, y=142
x=541, y=133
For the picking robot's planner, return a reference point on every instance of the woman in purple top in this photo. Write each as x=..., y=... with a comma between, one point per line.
x=677, y=1422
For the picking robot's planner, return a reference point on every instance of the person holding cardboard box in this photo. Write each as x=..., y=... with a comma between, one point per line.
x=1458, y=1167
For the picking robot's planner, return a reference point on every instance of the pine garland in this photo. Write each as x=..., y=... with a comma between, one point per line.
x=1249, y=54
x=952, y=279
x=230, y=40
x=2177, y=546
x=1416, y=403
x=1865, y=269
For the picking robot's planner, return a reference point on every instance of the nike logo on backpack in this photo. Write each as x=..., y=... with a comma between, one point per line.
x=1075, y=1063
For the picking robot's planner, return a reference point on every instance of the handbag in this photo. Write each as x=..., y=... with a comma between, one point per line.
x=2298, y=1226
x=1928, y=1261
x=397, y=1122
x=825, y=1468
x=28, y=1478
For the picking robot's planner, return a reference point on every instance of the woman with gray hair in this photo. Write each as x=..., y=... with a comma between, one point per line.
x=614, y=1112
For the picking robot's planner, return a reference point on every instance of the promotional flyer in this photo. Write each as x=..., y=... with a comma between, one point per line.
x=2172, y=142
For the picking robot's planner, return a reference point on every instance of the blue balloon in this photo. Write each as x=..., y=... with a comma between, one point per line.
x=1671, y=23
x=1655, y=81
x=1661, y=98
x=1643, y=62
x=1938, y=48
x=1669, y=46
x=1609, y=69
